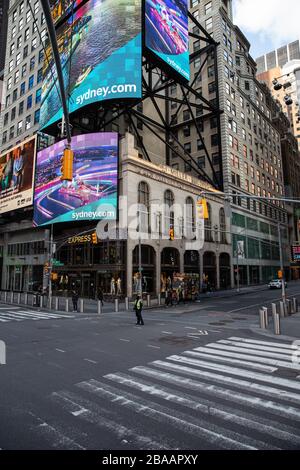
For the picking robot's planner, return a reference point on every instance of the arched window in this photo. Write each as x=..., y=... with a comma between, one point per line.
x=169, y=202
x=222, y=222
x=208, y=225
x=144, y=212
x=190, y=217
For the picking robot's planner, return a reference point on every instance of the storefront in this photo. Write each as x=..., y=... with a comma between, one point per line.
x=148, y=270
x=209, y=271
x=170, y=265
x=225, y=271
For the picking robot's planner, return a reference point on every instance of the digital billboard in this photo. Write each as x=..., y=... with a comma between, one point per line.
x=100, y=47
x=93, y=192
x=62, y=8
x=16, y=176
x=167, y=34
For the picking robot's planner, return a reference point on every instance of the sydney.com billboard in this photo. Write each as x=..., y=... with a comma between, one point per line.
x=93, y=192
x=167, y=34
x=100, y=47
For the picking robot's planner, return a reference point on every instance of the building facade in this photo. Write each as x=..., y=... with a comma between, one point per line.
x=251, y=160
x=278, y=58
x=26, y=30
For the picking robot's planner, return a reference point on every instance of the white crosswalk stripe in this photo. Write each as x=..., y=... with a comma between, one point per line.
x=20, y=315
x=235, y=400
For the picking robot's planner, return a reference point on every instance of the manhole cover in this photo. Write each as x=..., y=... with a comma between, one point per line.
x=175, y=340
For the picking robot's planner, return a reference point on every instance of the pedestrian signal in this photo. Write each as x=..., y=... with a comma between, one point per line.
x=67, y=165
x=280, y=274
x=94, y=238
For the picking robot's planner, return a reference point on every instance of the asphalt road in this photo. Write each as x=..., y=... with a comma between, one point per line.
x=88, y=382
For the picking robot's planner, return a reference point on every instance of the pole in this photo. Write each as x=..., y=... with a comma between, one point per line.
x=281, y=265
x=50, y=267
x=238, y=270
x=56, y=56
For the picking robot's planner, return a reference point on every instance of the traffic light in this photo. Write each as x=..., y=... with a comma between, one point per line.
x=67, y=165
x=202, y=204
x=94, y=238
x=171, y=234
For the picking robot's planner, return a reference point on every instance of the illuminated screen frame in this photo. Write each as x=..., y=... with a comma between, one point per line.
x=19, y=173
x=167, y=62
x=92, y=195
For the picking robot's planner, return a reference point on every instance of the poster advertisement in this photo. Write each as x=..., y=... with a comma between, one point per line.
x=100, y=47
x=93, y=192
x=167, y=33
x=16, y=176
x=62, y=8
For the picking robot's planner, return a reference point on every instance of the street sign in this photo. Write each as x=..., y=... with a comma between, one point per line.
x=55, y=262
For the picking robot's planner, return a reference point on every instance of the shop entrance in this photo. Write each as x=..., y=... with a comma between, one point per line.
x=148, y=269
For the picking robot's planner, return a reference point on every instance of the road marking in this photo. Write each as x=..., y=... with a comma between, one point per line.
x=264, y=343
x=190, y=328
x=206, y=407
x=60, y=350
x=218, y=392
x=101, y=417
x=246, y=363
x=167, y=332
x=90, y=360
x=193, y=426
x=154, y=347
x=229, y=380
x=126, y=340
x=225, y=347
x=257, y=347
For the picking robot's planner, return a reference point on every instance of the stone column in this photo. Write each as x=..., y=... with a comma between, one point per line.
x=158, y=268
x=218, y=270
x=129, y=273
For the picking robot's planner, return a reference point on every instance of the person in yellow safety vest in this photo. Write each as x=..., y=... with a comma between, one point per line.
x=138, y=306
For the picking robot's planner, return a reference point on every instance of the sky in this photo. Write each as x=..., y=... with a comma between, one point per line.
x=268, y=24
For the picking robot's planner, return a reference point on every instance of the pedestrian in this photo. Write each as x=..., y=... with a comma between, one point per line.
x=100, y=295
x=169, y=300
x=75, y=297
x=138, y=306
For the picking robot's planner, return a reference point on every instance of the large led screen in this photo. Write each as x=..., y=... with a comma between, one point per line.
x=100, y=47
x=16, y=176
x=62, y=8
x=93, y=192
x=166, y=33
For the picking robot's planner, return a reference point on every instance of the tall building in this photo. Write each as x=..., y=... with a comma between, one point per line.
x=23, y=72
x=279, y=57
x=3, y=30
x=251, y=161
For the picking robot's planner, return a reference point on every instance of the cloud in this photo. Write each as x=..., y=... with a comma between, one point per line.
x=275, y=20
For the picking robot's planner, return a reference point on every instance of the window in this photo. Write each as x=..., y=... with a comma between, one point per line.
x=24, y=70
x=208, y=225
x=12, y=48
x=28, y=123
x=17, y=76
x=14, y=16
x=222, y=221
x=21, y=23
x=144, y=209
x=186, y=115
x=32, y=63
x=214, y=140
x=19, y=42
x=188, y=147
x=208, y=8
x=212, y=87
x=37, y=116
x=26, y=35
x=10, y=65
x=186, y=131
x=190, y=217
x=20, y=127
x=169, y=202
x=201, y=161
x=9, y=83
x=21, y=8
x=38, y=96
x=21, y=108
x=25, y=52
x=4, y=137
x=36, y=8
x=41, y=56
x=211, y=71
x=22, y=89
x=209, y=24
x=13, y=31
x=28, y=16
x=18, y=59
x=11, y=132
x=30, y=82
x=29, y=102
x=34, y=44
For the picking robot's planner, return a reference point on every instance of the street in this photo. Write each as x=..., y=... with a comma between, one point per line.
x=201, y=376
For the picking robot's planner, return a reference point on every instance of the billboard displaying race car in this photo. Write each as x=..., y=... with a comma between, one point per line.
x=167, y=34
x=100, y=46
x=17, y=176
x=93, y=192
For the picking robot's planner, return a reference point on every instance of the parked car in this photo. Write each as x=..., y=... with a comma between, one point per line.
x=276, y=284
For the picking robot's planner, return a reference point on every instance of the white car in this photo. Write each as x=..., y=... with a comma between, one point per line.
x=276, y=284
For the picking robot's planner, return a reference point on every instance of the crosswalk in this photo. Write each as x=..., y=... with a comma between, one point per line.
x=231, y=394
x=17, y=314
